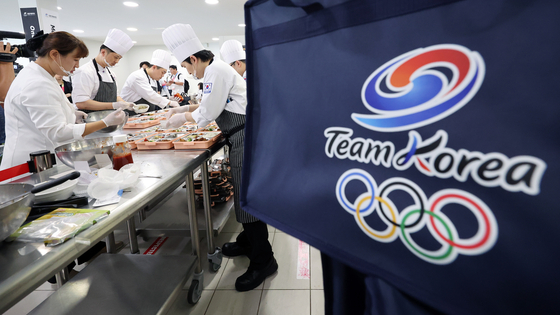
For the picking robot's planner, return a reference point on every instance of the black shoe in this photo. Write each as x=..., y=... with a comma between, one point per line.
x=253, y=278
x=234, y=249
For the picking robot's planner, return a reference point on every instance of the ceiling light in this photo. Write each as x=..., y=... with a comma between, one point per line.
x=159, y=28
x=134, y=42
x=241, y=25
x=132, y=29
x=77, y=31
x=59, y=8
x=130, y=4
x=211, y=1
x=215, y=38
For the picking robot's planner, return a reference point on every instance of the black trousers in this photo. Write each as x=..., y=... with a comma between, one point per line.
x=255, y=236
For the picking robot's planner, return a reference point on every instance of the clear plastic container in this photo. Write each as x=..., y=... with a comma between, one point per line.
x=122, y=154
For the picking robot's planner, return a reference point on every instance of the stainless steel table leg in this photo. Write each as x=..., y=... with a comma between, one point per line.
x=207, y=207
x=195, y=240
x=195, y=289
x=133, y=241
x=110, y=243
x=214, y=253
x=61, y=277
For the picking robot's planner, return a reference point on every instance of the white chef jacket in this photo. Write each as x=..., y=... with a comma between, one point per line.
x=138, y=86
x=38, y=116
x=85, y=82
x=223, y=89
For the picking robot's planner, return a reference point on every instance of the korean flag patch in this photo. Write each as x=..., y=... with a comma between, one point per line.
x=207, y=88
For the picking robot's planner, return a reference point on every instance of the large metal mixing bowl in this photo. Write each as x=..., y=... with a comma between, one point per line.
x=98, y=115
x=84, y=150
x=13, y=212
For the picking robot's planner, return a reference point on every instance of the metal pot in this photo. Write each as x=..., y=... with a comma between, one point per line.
x=16, y=201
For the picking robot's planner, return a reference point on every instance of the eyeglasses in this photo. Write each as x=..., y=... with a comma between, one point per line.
x=231, y=64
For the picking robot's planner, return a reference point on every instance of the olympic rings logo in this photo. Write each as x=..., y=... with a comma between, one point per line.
x=422, y=213
x=420, y=87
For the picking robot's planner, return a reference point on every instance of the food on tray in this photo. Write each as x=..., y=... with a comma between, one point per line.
x=199, y=136
x=164, y=137
x=211, y=128
x=184, y=128
x=136, y=136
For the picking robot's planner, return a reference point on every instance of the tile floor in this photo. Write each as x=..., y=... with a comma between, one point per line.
x=282, y=293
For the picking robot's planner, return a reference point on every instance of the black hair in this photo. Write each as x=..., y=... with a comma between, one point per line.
x=63, y=42
x=203, y=55
x=109, y=50
x=174, y=67
x=200, y=85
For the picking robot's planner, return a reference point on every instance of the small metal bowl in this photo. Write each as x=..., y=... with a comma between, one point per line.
x=84, y=150
x=98, y=115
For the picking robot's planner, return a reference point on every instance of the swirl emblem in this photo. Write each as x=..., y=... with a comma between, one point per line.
x=420, y=87
x=423, y=213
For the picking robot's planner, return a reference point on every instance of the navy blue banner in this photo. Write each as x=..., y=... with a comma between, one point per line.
x=415, y=142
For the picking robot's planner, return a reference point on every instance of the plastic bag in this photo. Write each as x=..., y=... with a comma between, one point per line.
x=58, y=226
x=109, y=182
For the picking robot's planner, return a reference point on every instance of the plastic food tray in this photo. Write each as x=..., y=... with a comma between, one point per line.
x=212, y=137
x=132, y=138
x=146, y=144
x=184, y=129
x=210, y=128
x=141, y=123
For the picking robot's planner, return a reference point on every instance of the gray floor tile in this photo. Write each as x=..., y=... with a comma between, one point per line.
x=317, y=302
x=231, y=302
x=282, y=302
x=182, y=306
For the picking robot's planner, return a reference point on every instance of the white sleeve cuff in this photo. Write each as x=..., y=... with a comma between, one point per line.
x=78, y=131
x=200, y=120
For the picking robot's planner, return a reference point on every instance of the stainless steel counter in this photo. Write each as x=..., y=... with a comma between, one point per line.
x=25, y=266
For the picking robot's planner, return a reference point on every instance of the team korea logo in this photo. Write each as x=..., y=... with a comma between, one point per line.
x=420, y=87
x=416, y=89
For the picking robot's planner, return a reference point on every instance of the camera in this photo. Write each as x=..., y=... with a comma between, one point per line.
x=23, y=49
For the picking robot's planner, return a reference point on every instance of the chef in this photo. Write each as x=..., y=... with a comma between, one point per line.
x=94, y=85
x=38, y=114
x=223, y=100
x=233, y=54
x=138, y=87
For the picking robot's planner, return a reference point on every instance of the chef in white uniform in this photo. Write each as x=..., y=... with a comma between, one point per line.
x=138, y=89
x=233, y=53
x=224, y=100
x=38, y=114
x=94, y=85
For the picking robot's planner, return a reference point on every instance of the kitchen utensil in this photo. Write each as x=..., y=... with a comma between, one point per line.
x=59, y=192
x=16, y=201
x=98, y=115
x=84, y=150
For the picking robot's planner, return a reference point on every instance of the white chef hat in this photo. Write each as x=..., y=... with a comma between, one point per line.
x=118, y=41
x=232, y=50
x=161, y=58
x=181, y=40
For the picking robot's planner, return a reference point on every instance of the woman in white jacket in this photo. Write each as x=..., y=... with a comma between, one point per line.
x=38, y=114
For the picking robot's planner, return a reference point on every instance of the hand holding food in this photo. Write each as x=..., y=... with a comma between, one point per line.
x=80, y=116
x=115, y=118
x=176, y=121
x=123, y=105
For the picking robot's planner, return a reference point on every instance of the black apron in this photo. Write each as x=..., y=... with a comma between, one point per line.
x=107, y=92
x=153, y=107
x=233, y=128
